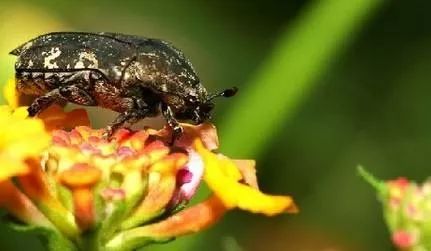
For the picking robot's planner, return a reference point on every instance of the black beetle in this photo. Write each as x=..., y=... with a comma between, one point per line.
x=135, y=76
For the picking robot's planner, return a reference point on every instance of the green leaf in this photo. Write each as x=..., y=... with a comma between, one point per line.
x=304, y=51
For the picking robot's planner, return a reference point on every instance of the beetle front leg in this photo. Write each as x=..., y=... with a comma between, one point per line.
x=41, y=103
x=119, y=122
x=177, y=129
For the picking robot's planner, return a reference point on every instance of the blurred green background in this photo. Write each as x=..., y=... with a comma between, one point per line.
x=324, y=86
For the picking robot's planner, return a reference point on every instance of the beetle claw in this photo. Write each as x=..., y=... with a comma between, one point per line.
x=108, y=133
x=177, y=131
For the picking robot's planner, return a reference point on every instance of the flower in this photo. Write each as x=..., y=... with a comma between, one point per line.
x=64, y=177
x=407, y=211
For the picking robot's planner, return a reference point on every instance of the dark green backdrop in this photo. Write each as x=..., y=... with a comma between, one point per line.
x=363, y=97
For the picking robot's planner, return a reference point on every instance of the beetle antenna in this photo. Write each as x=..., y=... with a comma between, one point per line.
x=225, y=93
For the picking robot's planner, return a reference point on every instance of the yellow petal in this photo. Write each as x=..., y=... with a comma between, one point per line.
x=170, y=164
x=222, y=180
x=20, y=112
x=5, y=113
x=10, y=94
x=21, y=138
x=248, y=171
x=11, y=167
x=228, y=168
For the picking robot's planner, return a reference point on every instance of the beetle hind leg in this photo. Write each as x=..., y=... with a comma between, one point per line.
x=61, y=95
x=77, y=95
x=129, y=117
x=136, y=110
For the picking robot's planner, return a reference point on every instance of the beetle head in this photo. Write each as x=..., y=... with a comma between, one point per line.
x=199, y=110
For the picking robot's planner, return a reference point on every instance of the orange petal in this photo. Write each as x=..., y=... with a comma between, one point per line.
x=138, y=139
x=20, y=206
x=191, y=220
x=36, y=186
x=80, y=179
x=35, y=183
x=221, y=179
x=80, y=175
x=55, y=117
x=84, y=209
x=156, y=150
x=206, y=132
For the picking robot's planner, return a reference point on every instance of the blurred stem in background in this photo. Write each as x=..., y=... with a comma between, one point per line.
x=303, y=52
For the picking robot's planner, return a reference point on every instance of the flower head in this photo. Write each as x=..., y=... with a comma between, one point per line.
x=407, y=211
x=129, y=191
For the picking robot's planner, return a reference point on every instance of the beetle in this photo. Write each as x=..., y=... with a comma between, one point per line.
x=135, y=76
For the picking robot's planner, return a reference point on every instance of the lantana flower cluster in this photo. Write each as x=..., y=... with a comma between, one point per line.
x=81, y=191
x=407, y=211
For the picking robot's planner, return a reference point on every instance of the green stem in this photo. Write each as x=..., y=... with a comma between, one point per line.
x=368, y=177
x=90, y=241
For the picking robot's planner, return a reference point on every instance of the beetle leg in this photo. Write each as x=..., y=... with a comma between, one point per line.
x=177, y=129
x=77, y=95
x=117, y=123
x=42, y=102
x=137, y=110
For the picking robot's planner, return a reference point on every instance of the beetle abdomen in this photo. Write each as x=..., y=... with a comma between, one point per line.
x=38, y=83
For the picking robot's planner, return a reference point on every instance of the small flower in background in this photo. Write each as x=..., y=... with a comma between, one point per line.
x=63, y=179
x=407, y=211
